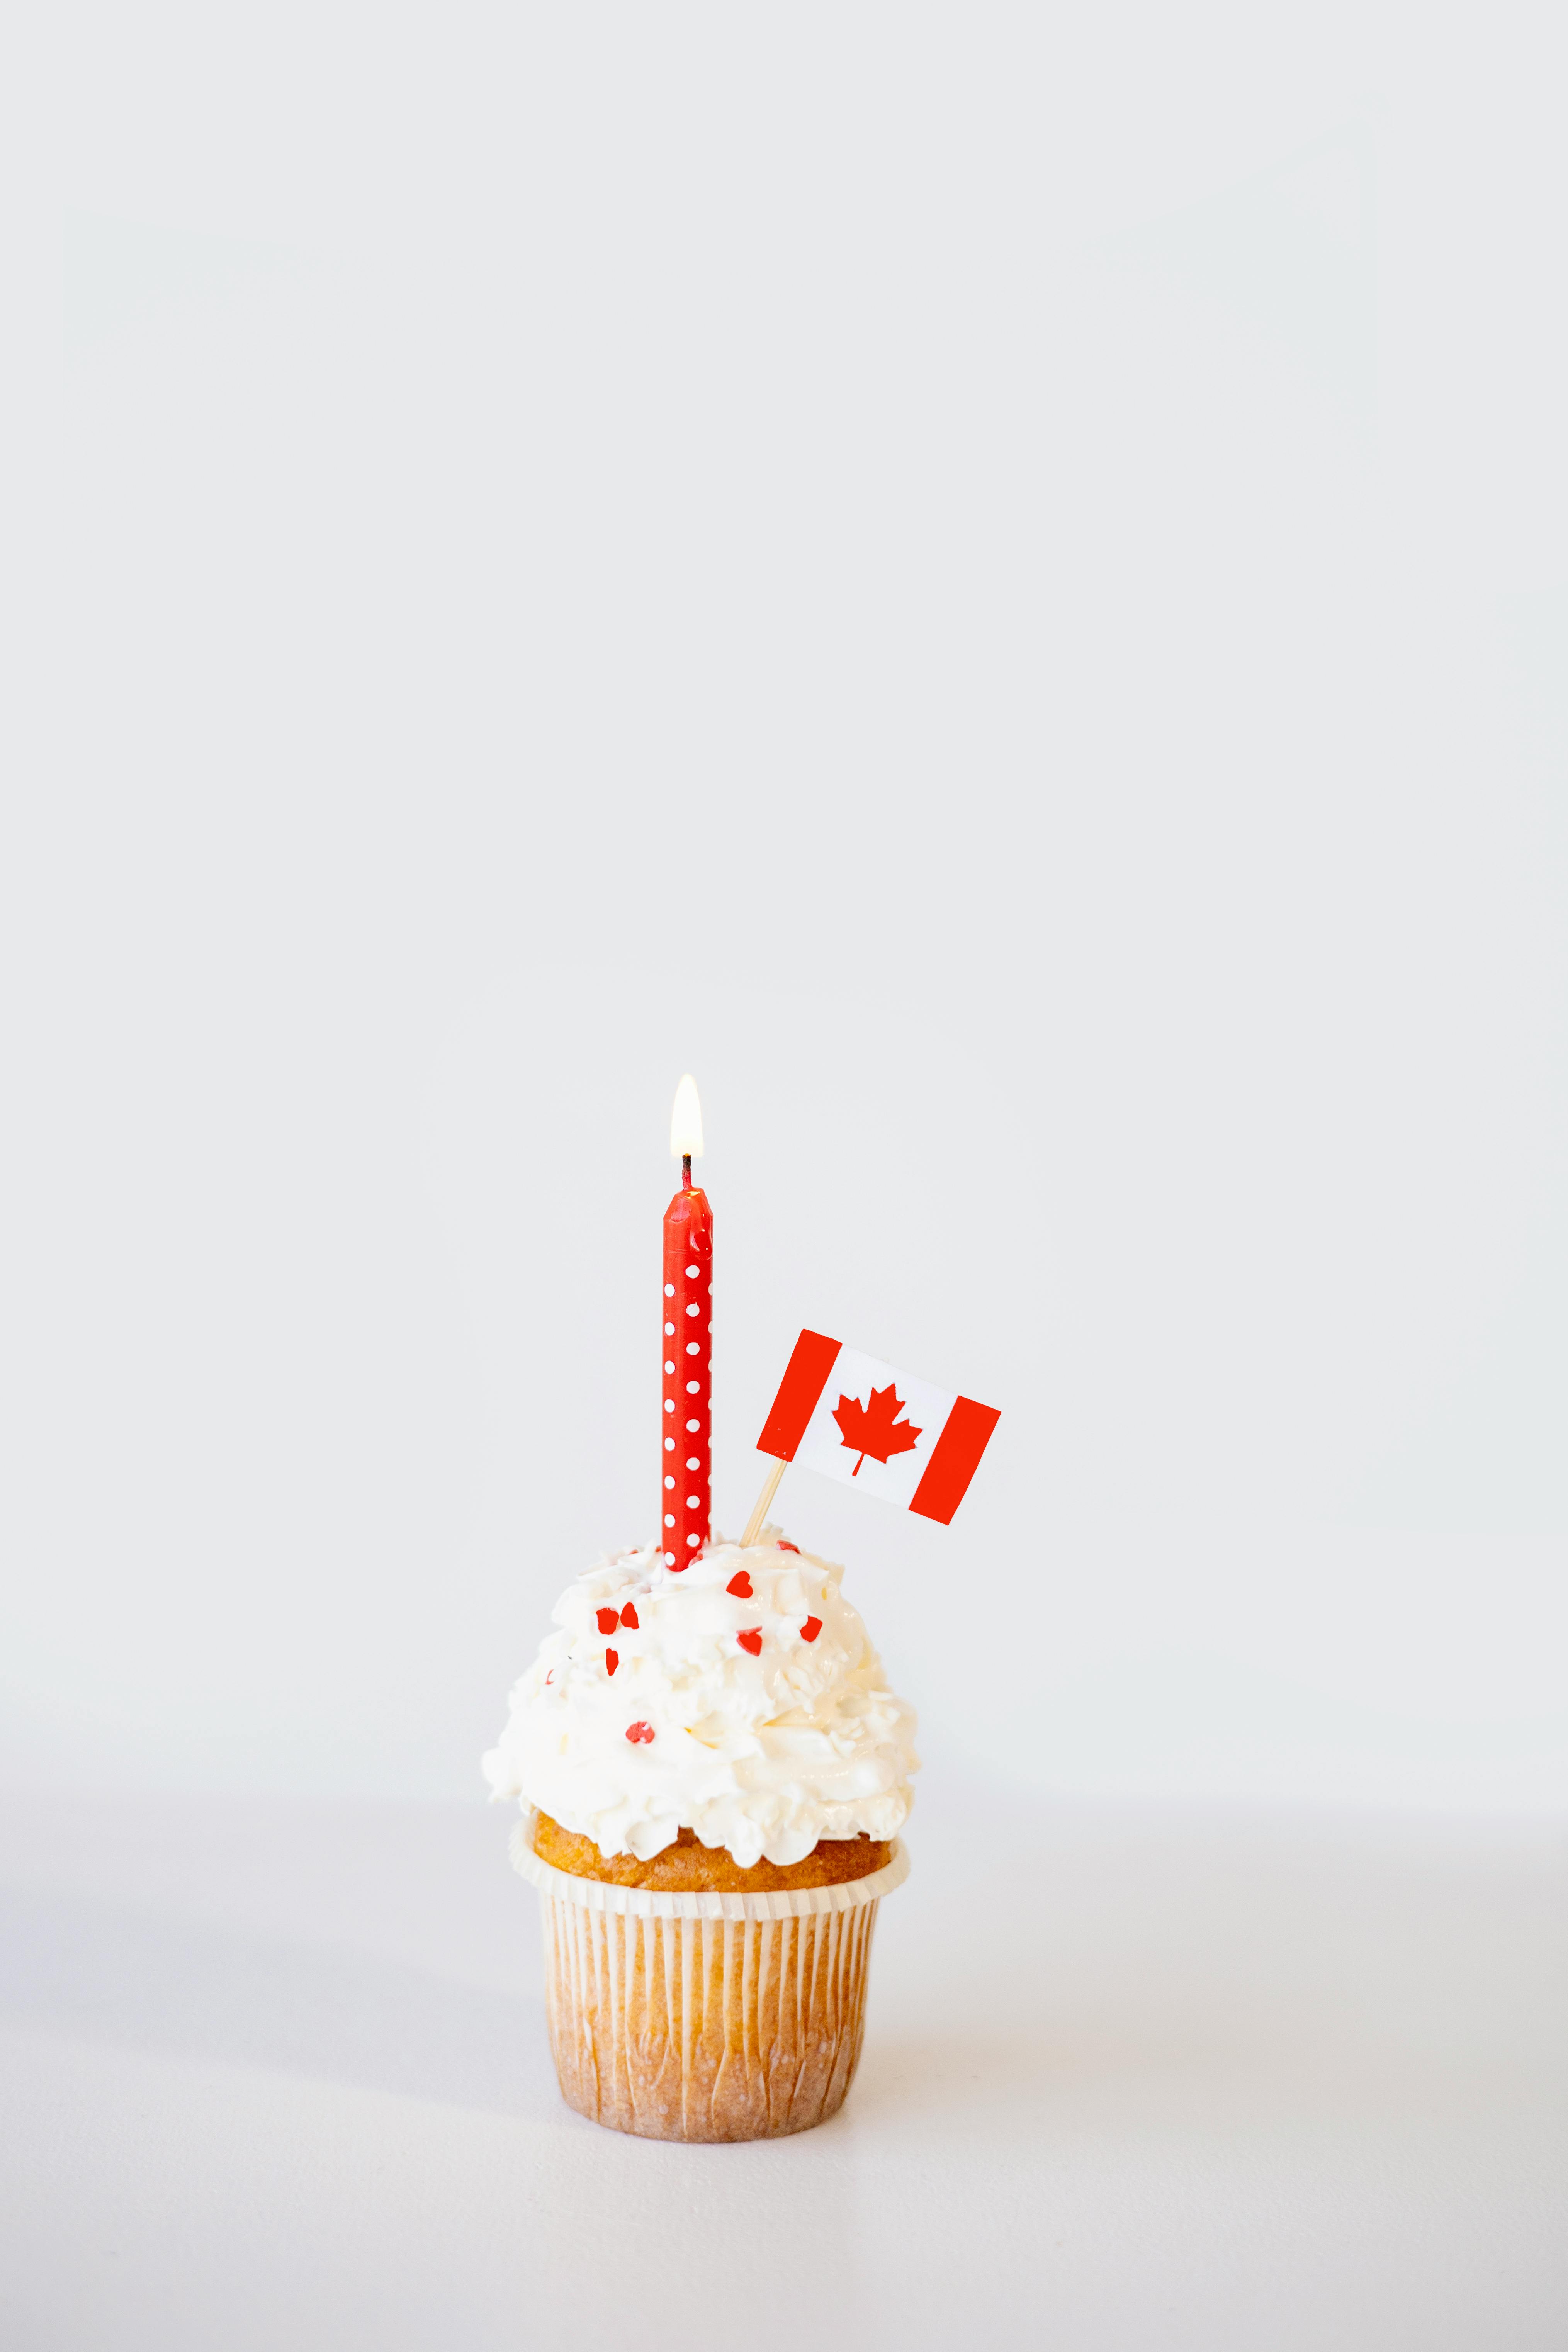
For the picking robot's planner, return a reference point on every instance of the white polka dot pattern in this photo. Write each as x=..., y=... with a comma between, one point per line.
x=688, y=1299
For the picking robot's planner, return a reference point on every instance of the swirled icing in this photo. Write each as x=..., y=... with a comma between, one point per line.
x=762, y=1746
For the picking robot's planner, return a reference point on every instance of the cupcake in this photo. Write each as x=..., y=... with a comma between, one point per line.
x=712, y=1773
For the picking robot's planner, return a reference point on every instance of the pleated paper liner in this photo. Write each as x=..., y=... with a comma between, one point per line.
x=705, y=2016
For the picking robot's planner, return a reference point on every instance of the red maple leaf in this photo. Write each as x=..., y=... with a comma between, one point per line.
x=874, y=1429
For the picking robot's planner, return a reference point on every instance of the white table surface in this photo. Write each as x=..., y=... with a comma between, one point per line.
x=276, y=2076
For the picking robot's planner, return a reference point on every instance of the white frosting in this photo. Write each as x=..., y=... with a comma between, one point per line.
x=761, y=1753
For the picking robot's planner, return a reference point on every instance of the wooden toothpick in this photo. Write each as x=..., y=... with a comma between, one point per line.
x=760, y=1510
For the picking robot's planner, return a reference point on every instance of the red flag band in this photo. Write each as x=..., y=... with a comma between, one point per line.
x=954, y=1459
x=805, y=1376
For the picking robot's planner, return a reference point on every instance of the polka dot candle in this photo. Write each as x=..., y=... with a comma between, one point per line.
x=686, y=1468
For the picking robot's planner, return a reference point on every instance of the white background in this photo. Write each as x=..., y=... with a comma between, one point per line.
x=274, y=2074
x=991, y=580
x=989, y=583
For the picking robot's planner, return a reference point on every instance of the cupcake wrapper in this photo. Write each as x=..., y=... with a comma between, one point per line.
x=705, y=2016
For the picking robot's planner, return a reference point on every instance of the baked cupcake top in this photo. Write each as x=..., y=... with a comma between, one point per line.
x=738, y=1697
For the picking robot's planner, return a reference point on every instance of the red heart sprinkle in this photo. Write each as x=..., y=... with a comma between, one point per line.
x=640, y=1731
x=608, y=1620
x=629, y=1617
x=739, y=1584
x=811, y=1628
x=611, y=1661
x=751, y=1641
x=788, y=1547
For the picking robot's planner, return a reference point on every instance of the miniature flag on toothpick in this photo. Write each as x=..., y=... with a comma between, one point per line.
x=853, y=1417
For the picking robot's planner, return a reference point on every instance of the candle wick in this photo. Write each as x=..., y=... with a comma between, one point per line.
x=686, y=1170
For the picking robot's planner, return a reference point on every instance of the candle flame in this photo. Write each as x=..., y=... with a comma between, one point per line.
x=686, y=1121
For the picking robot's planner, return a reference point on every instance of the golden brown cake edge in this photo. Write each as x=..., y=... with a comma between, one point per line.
x=690, y=1867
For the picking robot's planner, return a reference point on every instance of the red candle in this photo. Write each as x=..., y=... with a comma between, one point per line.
x=685, y=1488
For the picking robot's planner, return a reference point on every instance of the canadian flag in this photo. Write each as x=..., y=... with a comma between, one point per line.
x=852, y=1416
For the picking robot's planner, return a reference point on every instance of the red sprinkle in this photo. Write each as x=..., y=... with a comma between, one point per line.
x=629, y=1617
x=612, y=1661
x=752, y=1639
x=811, y=1628
x=739, y=1584
x=549, y=1677
x=640, y=1731
x=789, y=1547
x=608, y=1620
